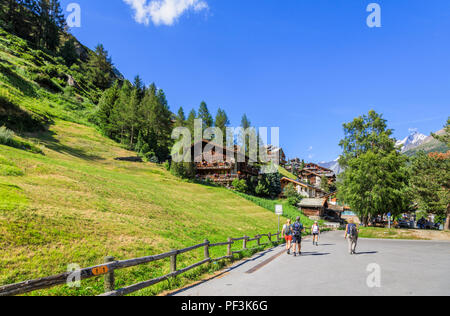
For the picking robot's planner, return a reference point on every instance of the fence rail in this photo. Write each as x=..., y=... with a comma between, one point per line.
x=110, y=265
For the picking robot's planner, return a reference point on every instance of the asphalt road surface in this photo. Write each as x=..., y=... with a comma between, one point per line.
x=398, y=267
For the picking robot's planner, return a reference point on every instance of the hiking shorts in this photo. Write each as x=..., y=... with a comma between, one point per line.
x=296, y=239
x=288, y=238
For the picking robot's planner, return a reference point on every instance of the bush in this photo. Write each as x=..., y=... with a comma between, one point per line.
x=185, y=170
x=6, y=136
x=262, y=189
x=240, y=185
x=292, y=196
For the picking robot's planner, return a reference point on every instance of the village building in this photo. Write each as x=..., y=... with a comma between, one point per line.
x=275, y=154
x=212, y=164
x=313, y=174
x=314, y=207
x=302, y=188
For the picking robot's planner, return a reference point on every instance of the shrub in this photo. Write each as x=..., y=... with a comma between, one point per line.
x=185, y=170
x=6, y=136
x=262, y=189
x=292, y=196
x=240, y=185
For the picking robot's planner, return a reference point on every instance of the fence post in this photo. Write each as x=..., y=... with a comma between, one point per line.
x=244, y=243
x=270, y=237
x=258, y=240
x=229, y=253
x=207, y=249
x=109, y=281
x=173, y=262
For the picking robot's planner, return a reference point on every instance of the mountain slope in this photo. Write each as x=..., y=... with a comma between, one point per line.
x=429, y=144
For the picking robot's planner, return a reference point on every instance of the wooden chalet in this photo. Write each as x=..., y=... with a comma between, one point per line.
x=313, y=174
x=304, y=189
x=213, y=165
x=276, y=153
x=314, y=207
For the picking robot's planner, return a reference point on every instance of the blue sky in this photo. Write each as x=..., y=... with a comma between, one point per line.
x=306, y=66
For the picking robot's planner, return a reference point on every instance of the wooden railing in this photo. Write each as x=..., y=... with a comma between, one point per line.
x=107, y=269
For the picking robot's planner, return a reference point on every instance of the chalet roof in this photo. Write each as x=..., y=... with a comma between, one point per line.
x=320, y=174
x=223, y=148
x=313, y=202
x=336, y=208
x=301, y=183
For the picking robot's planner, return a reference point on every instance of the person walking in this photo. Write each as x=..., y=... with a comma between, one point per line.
x=287, y=235
x=315, y=231
x=297, y=229
x=351, y=234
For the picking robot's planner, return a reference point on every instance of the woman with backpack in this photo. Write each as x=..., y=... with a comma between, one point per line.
x=287, y=235
x=351, y=234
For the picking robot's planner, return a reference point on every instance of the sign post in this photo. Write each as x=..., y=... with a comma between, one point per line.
x=279, y=212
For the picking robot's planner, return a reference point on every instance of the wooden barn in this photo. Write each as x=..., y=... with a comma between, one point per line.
x=314, y=207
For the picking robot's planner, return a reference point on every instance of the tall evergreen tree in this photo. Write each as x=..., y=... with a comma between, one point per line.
x=100, y=68
x=205, y=116
x=190, y=121
x=180, y=118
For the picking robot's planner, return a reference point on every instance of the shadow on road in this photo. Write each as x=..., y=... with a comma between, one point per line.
x=367, y=253
x=314, y=254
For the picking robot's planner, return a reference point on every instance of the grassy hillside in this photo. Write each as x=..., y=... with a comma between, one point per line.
x=64, y=199
x=75, y=204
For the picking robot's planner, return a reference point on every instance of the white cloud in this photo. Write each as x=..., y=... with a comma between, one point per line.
x=163, y=12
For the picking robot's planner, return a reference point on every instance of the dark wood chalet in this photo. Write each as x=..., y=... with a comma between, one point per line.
x=313, y=174
x=213, y=165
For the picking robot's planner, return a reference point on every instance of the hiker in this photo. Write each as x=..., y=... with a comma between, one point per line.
x=287, y=235
x=315, y=230
x=351, y=234
x=297, y=229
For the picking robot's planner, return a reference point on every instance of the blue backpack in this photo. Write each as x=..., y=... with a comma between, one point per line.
x=297, y=228
x=352, y=230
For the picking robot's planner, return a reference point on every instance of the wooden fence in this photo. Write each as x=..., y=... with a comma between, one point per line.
x=107, y=269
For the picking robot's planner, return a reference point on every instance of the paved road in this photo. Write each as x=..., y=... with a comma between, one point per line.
x=407, y=268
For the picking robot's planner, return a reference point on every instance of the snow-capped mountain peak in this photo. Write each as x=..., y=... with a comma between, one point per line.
x=413, y=140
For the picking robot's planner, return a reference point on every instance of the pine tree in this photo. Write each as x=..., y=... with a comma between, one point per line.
x=205, y=116
x=180, y=118
x=190, y=121
x=105, y=109
x=222, y=122
x=100, y=68
x=68, y=52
